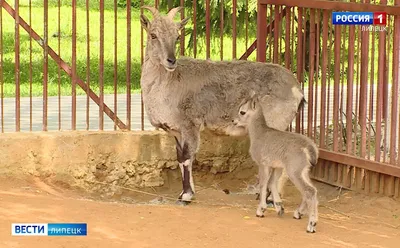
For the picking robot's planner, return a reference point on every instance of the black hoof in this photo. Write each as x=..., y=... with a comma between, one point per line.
x=310, y=231
x=281, y=212
x=259, y=216
x=257, y=196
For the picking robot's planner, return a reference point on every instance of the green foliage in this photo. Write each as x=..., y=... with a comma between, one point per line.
x=215, y=17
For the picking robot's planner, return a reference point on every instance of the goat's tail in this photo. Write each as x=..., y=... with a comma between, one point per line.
x=301, y=104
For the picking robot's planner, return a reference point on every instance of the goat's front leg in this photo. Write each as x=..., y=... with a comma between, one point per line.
x=186, y=149
x=265, y=174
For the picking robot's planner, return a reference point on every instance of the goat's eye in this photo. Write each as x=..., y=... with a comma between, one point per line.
x=242, y=112
x=153, y=36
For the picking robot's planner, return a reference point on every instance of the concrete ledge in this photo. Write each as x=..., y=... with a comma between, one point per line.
x=134, y=159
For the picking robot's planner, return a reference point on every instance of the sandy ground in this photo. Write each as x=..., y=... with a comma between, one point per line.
x=216, y=220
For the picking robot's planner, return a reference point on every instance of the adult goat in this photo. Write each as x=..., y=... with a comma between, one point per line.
x=185, y=95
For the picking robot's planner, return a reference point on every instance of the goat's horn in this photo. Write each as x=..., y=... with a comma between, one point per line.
x=171, y=14
x=153, y=10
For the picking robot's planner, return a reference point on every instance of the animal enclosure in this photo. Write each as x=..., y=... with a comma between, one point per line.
x=76, y=66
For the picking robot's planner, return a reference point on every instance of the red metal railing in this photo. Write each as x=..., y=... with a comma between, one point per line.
x=75, y=66
x=359, y=134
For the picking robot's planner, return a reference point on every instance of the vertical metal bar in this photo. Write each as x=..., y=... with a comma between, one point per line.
x=350, y=79
x=292, y=58
x=30, y=66
x=341, y=168
x=371, y=96
x=128, y=64
x=293, y=38
x=363, y=89
x=303, y=63
x=88, y=64
x=368, y=174
x=336, y=87
x=208, y=29
x=276, y=33
x=389, y=187
x=358, y=177
x=271, y=34
x=299, y=56
x=73, y=123
x=311, y=74
x=59, y=54
x=221, y=29
x=287, y=39
x=317, y=41
x=141, y=62
x=115, y=62
x=234, y=12
x=141, y=37
x=342, y=94
x=379, y=100
x=357, y=88
x=386, y=92
x=395, y=89
x=396, y=75
x=1, y=71
x=261, y=34
x=247, y=26
x=323, y=77
x=182, y=39
x=101, y=73
x=194, y=28
x=329, y=87
x=349, y=102
x=45, y=62
x=279, y=34
x=17, y=68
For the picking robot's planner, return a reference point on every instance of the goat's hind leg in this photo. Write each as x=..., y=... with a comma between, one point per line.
x=273, y=186
x=301, y=180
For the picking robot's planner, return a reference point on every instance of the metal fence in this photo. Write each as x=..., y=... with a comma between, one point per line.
x=76, y=66
x=350, y=75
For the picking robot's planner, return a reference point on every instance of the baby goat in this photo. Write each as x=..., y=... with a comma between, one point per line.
x=274, y=150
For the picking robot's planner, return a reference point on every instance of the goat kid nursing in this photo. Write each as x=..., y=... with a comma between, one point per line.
x=183, y=96
x=274, y=150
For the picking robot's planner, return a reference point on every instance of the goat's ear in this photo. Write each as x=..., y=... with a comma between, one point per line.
x=252, y=93
x=254, y=103
x=182, y=24
x=255, y=99
x=144, y=21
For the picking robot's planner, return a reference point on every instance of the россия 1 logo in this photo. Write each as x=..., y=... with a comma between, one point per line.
x=370, y=21
x=359, y=18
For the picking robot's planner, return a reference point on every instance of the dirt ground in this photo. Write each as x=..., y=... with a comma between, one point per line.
x=217, y=219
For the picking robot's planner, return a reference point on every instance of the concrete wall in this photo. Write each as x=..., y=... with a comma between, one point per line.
x=133, y=159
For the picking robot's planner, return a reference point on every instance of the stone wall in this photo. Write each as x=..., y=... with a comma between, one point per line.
x=132, y=159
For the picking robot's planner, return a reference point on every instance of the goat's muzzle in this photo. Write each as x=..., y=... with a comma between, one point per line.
x=170, y=64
